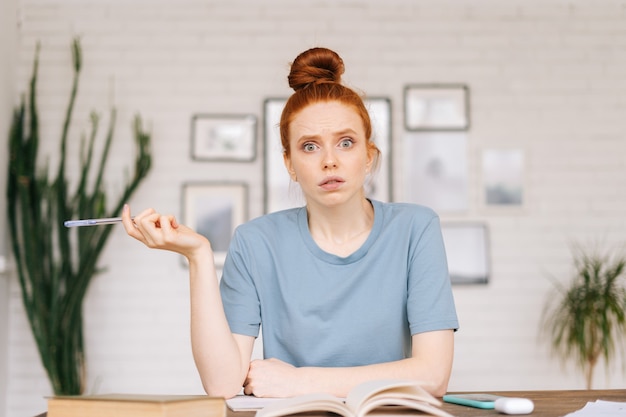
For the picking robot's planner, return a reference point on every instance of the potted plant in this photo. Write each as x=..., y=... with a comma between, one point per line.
x=586, y=320
x=55, y=264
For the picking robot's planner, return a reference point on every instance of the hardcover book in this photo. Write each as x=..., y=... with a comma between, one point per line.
x=132, y=405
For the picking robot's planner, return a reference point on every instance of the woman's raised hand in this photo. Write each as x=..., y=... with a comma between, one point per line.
x=159, y=231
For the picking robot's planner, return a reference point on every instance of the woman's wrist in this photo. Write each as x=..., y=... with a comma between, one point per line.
x=200, y=253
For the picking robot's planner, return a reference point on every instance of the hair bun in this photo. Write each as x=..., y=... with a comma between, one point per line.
x=315, y=66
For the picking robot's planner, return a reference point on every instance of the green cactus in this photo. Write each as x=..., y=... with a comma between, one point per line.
x=55, y=264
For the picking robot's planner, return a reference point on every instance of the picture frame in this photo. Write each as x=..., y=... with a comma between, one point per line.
x=280, y=192
x=380, y=183
x=503, y=178
x=215, y=209
x=436, y=107
x=468, y=252
x=436, y=170
x=223, y=137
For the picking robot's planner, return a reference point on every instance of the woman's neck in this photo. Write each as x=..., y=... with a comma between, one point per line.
x=341, y=230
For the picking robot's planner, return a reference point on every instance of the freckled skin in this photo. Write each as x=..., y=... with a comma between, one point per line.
x=329, y=156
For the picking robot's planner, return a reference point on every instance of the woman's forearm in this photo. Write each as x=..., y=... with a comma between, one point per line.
x=339, y=381
x=431, y=363
x=218, y=356
x=222, y=359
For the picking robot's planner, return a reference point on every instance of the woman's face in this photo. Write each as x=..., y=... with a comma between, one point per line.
x=329, y=156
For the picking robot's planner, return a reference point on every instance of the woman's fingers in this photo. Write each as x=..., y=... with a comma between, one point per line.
x=149, y=227
x=159, y=231
x=129, y=224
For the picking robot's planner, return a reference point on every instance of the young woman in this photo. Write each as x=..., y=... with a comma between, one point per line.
x=346, y=289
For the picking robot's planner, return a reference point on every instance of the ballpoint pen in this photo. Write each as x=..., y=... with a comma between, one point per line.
x=92, y=222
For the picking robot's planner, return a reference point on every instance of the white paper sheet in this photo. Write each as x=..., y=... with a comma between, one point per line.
x=600, y=408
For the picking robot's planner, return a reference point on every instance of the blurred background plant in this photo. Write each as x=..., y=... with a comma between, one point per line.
x=55, y=264
x=585, y=320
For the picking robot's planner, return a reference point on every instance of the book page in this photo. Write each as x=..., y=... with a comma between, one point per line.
x=373, y=395
x=389, y=388
x=305, y=403
x=381, y=407
x=249, y=402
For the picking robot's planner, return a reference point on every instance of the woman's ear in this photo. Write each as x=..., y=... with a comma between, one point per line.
x=289, y=166
x=372, y=155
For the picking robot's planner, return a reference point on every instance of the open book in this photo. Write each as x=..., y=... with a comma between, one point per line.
x=363, y=399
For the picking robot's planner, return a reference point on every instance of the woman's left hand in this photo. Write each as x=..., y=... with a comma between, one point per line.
x=272, y=378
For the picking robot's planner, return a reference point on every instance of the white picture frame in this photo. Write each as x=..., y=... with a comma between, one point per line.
x=468, y=252
x=436, y=170
x=503, y=178
x=436, y=107
x=214, y=210
x=227, y=137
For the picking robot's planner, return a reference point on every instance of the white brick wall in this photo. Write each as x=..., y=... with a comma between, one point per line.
x=8, y=46
x=545, y=77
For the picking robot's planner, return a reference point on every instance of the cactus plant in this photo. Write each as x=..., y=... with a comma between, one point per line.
x=55, y=264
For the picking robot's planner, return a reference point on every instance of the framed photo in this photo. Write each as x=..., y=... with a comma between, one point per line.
x=503, y=177
x=214, y=210
x=223, y=137
x=380, y=183
x=467, y=248
x=281, y=193
x=436, y=107
x=436, y=170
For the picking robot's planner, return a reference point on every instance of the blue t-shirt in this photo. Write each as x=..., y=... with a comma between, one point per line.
x=319, y=309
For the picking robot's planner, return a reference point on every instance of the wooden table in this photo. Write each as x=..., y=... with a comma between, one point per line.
x=547, y=403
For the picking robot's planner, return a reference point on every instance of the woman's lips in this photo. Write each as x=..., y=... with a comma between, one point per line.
x=331, y=183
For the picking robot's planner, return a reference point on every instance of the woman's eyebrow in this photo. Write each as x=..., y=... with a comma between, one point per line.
x=317, y=136
x=307, y=137
x=346, y=132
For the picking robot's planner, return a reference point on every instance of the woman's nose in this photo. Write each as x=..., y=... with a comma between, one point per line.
x=330, y=161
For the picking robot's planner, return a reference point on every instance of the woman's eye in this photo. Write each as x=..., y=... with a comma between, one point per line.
x=309, y=147
x=346, y=143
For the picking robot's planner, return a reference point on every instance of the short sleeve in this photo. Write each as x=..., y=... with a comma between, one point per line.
x=238, y=291
x=430, y=304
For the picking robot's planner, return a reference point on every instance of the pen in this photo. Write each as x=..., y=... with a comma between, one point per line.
x=92, y=222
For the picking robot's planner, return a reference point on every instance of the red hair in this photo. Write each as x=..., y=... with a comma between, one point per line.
x=316, y=77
